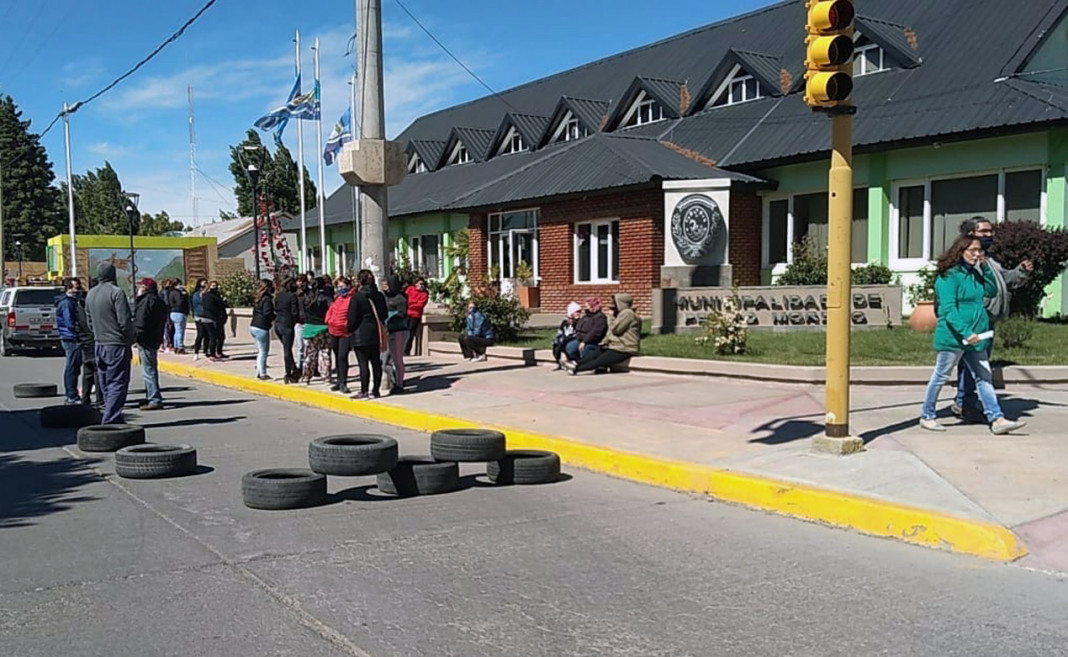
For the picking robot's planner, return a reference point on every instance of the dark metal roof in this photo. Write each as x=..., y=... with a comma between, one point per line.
x=668, y=93
x=530, y=128
x=429, y=151
x=765, y=68
x=590, y=113
x=893, y=38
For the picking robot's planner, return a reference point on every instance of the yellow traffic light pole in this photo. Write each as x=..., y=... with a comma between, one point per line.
x=829, y=86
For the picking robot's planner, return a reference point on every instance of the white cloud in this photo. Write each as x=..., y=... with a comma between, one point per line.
x=106, y=150
x=81, y=73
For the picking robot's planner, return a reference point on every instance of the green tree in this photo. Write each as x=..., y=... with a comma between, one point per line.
x=242, y=190
x=160, y=224
x=99, y=207
x=32, y=209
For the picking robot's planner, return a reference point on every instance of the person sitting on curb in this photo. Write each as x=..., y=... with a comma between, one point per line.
x=150, y=319
x=966, y=404
x=478, y=334
x=622, y=342
x=565, y=335
x=591, y=329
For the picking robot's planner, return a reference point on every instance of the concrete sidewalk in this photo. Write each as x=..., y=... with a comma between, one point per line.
x=747, y=442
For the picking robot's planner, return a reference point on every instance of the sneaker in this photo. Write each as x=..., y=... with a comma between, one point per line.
x=196, y=357
x=334, y=388
x=469, y=360
x=151, y=406
x=361, y=396
x=344, y=390
x=931, y=425
x=72, y=402
x=480, y=359
x=264, y=377
x=396, y=390
x=956, y=410
x=1002, y=426
x=569, y=366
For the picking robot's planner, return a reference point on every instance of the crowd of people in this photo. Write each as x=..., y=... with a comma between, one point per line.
x=589, y=340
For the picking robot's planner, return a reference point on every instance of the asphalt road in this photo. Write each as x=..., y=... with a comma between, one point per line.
x=95, y=565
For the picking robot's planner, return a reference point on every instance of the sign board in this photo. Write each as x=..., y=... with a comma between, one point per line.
x=781, y=307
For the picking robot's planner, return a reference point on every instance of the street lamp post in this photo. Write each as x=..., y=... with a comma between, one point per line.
x=254, y=157
x=133, y=222
x=18, y=246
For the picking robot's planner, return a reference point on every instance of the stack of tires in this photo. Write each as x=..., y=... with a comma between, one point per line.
x=134, y=458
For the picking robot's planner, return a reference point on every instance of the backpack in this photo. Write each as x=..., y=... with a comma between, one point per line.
x=337, y=316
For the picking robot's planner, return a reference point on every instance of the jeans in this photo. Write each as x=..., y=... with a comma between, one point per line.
x=397, y=342
x=966, y=393
x=263, y=348
x=368, y=356
x=474, y=345
x=559, y=348
x=589, y=351
x=150, y=372
x=201, y=341
x=977, y=363
x=602, y=360
x=178, y=319
x=72, y=368
x=113, y=367
x=286, y=335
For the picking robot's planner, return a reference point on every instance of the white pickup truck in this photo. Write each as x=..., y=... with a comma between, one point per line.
x=29, y=318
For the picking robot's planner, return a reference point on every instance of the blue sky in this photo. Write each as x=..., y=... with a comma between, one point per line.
x=239, y=59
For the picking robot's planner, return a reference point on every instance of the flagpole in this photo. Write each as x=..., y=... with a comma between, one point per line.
x=319, y=160
x=356, y=235
x=300, y=179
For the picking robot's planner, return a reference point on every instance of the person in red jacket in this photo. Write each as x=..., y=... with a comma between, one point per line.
x=337, y=318
x=417, y=300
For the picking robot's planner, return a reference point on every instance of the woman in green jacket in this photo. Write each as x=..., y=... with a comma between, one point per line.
x=964, y=278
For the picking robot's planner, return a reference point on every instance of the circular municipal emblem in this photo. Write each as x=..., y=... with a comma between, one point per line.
x=695, y=225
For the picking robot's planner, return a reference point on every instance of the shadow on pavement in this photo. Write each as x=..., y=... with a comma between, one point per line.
x=1012, y=407
x=786, y=431
x=31, y=489
x=22, y=431
x=210, y=402
x=193, y=422
x=416, y=385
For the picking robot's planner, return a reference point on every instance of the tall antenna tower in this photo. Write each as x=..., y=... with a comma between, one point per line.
x=192, y=156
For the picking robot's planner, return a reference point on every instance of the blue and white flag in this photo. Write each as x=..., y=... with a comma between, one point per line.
x=298, y=106
x=339, y=136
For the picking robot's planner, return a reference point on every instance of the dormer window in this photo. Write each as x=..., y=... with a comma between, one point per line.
x=512, y=142
x=573, y=130
x=459, y=154
x=416, y=164
x=868, y=58
x=742, y=88
x=645, y=110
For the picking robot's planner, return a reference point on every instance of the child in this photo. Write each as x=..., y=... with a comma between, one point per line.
x=566, y=332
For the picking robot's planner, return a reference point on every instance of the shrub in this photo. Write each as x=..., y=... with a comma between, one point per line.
x=809, y=266
x=1016, y=241
x=924, y=290
x=1015, y=331
x=239, y=289
x=726, y=329
x=872, y=274
x=506, y=315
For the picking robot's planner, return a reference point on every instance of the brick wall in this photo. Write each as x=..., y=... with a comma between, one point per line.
x=476, y=228
x=744, y=236
x=641, y=247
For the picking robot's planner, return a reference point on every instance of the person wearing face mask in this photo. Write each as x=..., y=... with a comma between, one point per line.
x=966, y=403
x=964, y=279
x=417, y=296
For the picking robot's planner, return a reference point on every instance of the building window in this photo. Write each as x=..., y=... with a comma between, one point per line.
x=597, y=252
x=424, y=254
x=792, y=219
x=512, y=143
x=741, y=89
x=573, y=130
x=645, y=110
x=513, y=237
x=416, y=164
x=867, y=59
x=459, y=154
x=927, y=215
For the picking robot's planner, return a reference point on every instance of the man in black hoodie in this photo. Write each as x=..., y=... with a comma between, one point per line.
x=150, y=319
x=110, y=318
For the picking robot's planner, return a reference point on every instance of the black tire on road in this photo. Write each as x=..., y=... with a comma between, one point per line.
x=30, y=390
x=151, y=461
x=467, y=445
x=420, y=475
x=69, y=417
x=109, y=437
x=279, y=488
x=352, y=455
x=524, y=467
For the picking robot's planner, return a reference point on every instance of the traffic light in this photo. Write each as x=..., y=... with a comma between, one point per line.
x=829, y=57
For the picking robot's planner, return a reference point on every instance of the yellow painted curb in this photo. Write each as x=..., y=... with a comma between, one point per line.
x=863, y=514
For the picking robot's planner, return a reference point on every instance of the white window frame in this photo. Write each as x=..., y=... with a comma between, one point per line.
x=858, y=56
x=416, y=164
x=594, y=261
x=563, y=132
x=915, y=264
x=737, y=74
x=504, y=238
x=512, y=143
x=778, y=268
x=459, y=154
x=417, y=253
x=633, y=117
